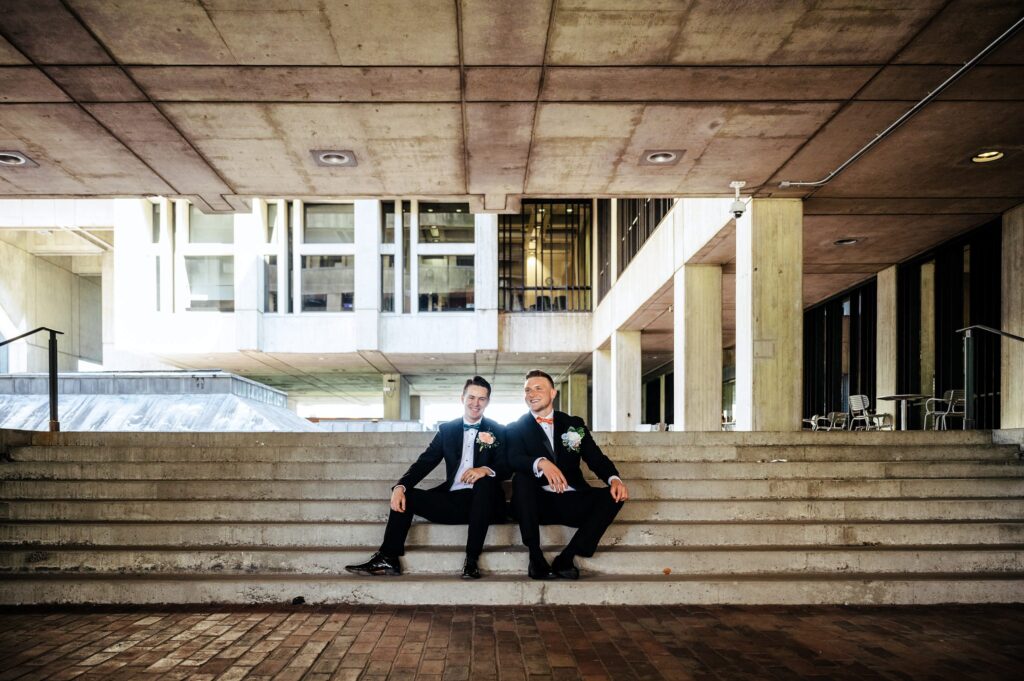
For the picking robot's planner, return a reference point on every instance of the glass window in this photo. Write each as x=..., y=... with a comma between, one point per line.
x=330, y=223
x=155, y=217
x=210, y=229
x=211, y=282
x=328, y=283
x=271, y=222
x=445, y=223
x=387, y=283
x=446, y=283
x=270, y=284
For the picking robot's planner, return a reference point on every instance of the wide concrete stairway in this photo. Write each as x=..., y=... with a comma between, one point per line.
x=714, y=518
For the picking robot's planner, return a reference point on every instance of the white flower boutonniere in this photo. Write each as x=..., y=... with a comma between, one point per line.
x=485, y=439
x=572, y=438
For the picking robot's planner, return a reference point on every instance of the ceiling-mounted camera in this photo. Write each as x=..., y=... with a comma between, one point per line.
x=738, y=206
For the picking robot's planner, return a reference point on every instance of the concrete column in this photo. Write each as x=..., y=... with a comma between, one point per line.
x=396, y=398
x=614, y=235
x=485, y=281
x=769, y=316
x=697, y=348
x=602, y=372
x=248, y=250
x=574, y=399
x=298, y=223
x=1012, y=369
x=927, y=328
x=107, y=295
x=180, y=241
x=367, y=274
x=885, y=343
x=627, y=388
x=134, y=275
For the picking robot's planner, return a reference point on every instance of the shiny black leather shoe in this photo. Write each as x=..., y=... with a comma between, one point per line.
x=470, y=570
x=539, y=569
x=565, y=569
x=378, y=565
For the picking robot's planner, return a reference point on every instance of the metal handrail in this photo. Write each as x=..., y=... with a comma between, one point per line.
x=54, y=420
x=969, y=416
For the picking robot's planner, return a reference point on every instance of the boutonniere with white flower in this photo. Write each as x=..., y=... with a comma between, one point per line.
x=485, y=440
x=572, y=438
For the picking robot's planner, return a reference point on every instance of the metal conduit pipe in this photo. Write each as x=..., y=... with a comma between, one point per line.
x=914, y=109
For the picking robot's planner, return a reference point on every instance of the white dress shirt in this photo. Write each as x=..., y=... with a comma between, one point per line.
x=468, y=440
x=549, y=430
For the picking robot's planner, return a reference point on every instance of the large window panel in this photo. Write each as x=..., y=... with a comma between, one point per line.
x=211, y=282
x=328, y=283
x=446, y=283
x=270, y=295
x=210, y=229
x=330, y=223
x=446, y=223
x=387, y=283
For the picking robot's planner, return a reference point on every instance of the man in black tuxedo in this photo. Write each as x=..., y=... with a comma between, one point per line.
x=544, y=449
x=472, y=449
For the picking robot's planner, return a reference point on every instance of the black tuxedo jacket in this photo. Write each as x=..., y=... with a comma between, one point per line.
x=527, y=442
x=447, y=445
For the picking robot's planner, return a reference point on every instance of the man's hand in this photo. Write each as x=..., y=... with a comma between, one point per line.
x=619, y=491
x=398, y=499
x=555, y=478
x=474, y=474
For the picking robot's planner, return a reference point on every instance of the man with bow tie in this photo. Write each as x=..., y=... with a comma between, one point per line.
x=544, y=449
x=472, y=450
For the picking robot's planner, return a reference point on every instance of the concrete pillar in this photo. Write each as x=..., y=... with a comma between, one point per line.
x=697, y=347
x=396, y=398
x=367, y=274
x=574, y=398
x=485, y=281
x=107, y=295
x=248, y=250
x=614, y=235
x=134, y=277
x=626, y=407
x=885, y=343
x=769, y=316
x=602, y=373
x=927, y=328
x=1012, y=369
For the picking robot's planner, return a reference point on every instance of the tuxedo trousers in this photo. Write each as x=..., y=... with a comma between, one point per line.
x=477, y=507
x=591, y=510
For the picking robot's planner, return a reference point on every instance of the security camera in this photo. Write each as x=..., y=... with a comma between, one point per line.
x=738, y=207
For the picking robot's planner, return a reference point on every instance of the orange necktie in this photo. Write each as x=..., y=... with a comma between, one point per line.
x=541, y=419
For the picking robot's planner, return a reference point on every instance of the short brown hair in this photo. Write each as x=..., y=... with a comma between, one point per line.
x=480, y=381
x=537, y=373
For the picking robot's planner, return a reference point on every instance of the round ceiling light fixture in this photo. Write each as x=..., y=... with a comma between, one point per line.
x=846, y=241
x=987, y=156
x=334, y=158
x=14, y=158
x=661, y=157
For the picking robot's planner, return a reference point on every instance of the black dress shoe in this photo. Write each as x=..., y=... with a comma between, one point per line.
x=470, y=570
x=539, y=569
x=379, y=564
x=565, y=569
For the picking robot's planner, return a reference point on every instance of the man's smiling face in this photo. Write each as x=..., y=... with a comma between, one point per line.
x=539, y=394
x=474, y=401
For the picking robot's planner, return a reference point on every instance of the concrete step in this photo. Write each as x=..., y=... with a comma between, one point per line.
x=621, y=533
x=787, y=589
x=420, y=440
x=619, y=453
x=354, y=510
x=639, y=489
x=219, y=470
x=648, y=561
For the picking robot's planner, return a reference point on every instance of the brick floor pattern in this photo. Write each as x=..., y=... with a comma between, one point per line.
x=360, y=643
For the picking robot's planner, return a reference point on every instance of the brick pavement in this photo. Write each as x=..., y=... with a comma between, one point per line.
x=359, y=643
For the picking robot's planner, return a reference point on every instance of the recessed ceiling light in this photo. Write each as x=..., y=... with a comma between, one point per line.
x=334, y=158
x=661, y=157
x=848, y=241
x=431, y=358
x=568, y=210
x=458, y=210
x=321, y=358
x=987, y=156
x=15, y=158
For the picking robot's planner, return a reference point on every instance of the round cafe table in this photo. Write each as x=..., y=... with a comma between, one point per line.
x=903, y=399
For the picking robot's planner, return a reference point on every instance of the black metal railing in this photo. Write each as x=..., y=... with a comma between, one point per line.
x=970, y=418
x=54, y=421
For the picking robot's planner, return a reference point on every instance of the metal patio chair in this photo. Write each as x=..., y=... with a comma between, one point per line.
x=860, y=410
x=952, y=404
